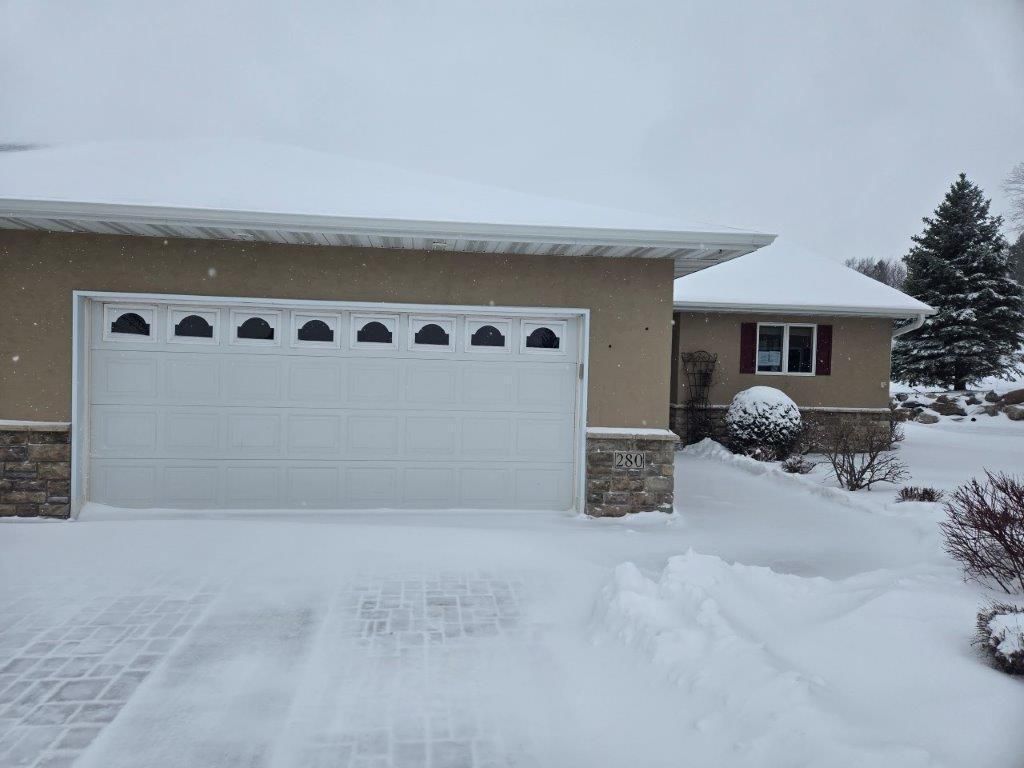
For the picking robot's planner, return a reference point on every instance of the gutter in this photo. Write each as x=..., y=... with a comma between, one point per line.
x=777, y=309
x=913, y=325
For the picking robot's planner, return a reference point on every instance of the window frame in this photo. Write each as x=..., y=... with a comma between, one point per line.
x=240, y=316
x=176, y=314
x=299, y=319
x=785, y=349
x=528, y=326
x=357, y=320
x=416, y=323
x=504, y=326
x=148, y=313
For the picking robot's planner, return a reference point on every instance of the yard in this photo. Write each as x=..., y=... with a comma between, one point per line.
x=770, y=622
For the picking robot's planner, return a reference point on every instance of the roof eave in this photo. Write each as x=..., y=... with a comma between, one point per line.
x=823, y=309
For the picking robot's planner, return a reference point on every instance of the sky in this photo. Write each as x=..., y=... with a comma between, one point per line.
x=835, y=125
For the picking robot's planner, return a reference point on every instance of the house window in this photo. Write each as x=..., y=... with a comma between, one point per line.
x=194, y=326
x=316, y=330
x=785, y=348
x=374, y=332
x=487, y=336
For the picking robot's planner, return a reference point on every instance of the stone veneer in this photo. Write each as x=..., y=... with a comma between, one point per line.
x=812, y=418
x=615, y=492
x=35, y=470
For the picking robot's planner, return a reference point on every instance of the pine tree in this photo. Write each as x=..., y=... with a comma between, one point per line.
x=959, y=265
x=1017, y=258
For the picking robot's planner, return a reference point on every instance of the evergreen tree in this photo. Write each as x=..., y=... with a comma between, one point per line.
x=959, y=265
x=1017, y=258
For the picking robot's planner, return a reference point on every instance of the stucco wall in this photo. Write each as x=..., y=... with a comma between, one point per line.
x=630, y=302
x=860, y=360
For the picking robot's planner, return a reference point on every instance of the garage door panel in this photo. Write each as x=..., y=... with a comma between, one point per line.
x=254, y=434
x=279, y=426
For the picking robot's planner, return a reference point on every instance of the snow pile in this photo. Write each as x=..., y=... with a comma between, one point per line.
x=763, y=422
x=697, y=624
x=1001, y=631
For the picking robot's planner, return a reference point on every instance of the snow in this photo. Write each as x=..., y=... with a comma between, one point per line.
x=784, y=277
x=631, y=432
x=773, y=620
x=248, y=175
x=41, y=425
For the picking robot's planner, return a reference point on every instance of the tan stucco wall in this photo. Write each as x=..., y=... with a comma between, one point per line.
x=860, y=360
x=630, y=302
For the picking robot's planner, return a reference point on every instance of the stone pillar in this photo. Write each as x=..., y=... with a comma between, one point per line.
x=35, y=469
x=614, y=491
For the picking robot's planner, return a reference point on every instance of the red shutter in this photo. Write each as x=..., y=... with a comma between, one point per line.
x=823, y=362
x=748, y=347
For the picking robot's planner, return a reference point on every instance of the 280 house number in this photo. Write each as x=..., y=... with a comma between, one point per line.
x=628, y=460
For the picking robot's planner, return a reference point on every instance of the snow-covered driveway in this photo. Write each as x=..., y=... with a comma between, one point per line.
x=393, y=639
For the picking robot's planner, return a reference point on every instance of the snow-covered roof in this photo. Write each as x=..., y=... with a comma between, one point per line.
x=783, y=277
x=255, y=191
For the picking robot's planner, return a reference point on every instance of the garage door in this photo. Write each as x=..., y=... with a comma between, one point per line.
x=244, y=405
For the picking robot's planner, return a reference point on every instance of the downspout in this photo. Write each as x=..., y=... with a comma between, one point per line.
x=913, y=325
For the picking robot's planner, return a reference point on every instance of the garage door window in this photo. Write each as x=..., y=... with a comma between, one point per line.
x=543, y=338
x=309, y=330
x=130, y=323
x=188, y=325
x=122, y=323
x=488, y=335
x=431, y=333
x=374, y=331
x=256, y=328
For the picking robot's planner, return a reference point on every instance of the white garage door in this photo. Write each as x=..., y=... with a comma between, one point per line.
x=240, y=406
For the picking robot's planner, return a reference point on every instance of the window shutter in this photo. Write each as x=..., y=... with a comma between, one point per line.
x=823, y=355
x=748, y=347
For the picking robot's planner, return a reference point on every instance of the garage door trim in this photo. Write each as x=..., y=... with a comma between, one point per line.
x=85, y=303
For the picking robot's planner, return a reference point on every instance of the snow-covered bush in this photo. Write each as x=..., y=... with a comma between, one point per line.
x=914, y=493
x=797, y=465
x=984, y=530
x=1001, y=634
x=763, y=423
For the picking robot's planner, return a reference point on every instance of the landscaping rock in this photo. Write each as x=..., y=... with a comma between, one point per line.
x=927, y=418
x=1014, y=412
x=1014, y=397
x=992, y=397
x=903, y=396
x=972, y=400
x=943, y=399
x=992, y=409
x=948, y=408
x=914, y=404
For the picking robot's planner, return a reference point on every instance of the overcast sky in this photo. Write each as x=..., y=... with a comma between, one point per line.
x=835, y=125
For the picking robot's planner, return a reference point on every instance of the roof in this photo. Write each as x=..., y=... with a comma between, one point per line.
x=250, y=190
x=784, y=278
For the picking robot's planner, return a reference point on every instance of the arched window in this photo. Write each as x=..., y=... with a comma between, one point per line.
x=256, y=328
x=543, y=338
x=374, y=332
x=487, y=336
x=194, y=326
x=316, y=330
x=432, y=334
x=131, y=323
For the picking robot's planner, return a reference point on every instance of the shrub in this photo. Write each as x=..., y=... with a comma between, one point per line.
x=913, y=493
x=797, y=465
x=860, y=456
x=984, y=530
x=1001, y=634
x=763, y=423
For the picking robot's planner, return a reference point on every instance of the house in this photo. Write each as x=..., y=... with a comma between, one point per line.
x=819, y=331
x=236, y=326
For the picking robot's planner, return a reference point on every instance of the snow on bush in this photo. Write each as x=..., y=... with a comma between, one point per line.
x=1001, y=633
x=763, y=423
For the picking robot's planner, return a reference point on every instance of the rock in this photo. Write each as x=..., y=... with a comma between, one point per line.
x=900, y=414
x=1014, y=412
x=914, y=404
x=943, y=399
x=991, y=397
x=927, y=418
x=947, y=408
x=992, y=409
x=972, y=400
x=1014, y=397
x=903, y=396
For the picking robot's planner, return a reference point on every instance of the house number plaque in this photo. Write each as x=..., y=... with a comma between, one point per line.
x=628, y=460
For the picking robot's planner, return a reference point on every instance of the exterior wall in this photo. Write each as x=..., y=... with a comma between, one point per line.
x=630, y=302
x=861, y=350
x=35, y=470
x=615, y=492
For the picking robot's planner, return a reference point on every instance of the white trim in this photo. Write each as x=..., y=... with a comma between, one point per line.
x=811, y=309
x=913, y=325
x=81, y=329
x=785, y=349
x=639, y=433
